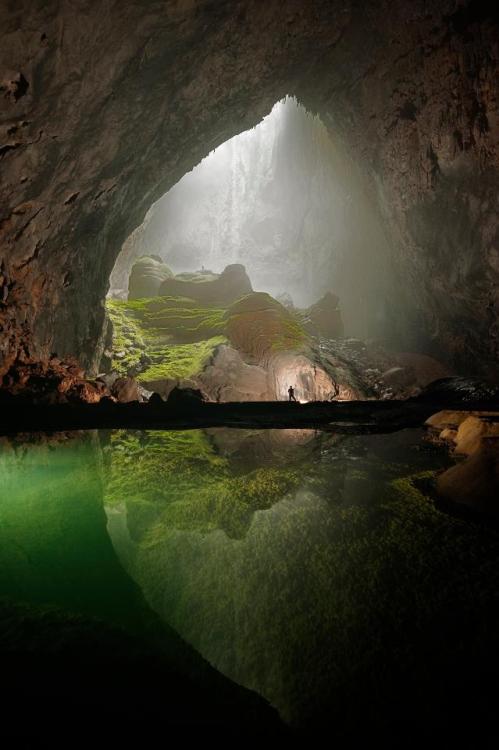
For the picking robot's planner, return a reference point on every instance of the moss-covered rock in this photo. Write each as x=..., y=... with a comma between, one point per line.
x=208, y=288
x=259, y=326
x=147, y=275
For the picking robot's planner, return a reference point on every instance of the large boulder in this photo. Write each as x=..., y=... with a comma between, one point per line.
x=324, y=317
x=229, y=378
x=146, y=277
x=208, y=288
x=474, y=482
x=259, y=326
x=125, y=390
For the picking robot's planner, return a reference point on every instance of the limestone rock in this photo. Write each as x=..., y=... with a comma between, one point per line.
x=259, y=326
x=146, y=277
x=475, y=482
x=231, y=284
x=471, y=432
x=324, y=317
x=229, y=378
x=125, y=390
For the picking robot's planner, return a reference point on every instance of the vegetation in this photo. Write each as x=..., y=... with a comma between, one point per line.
x=163, y=338
x=179, y=361
x=179, y=481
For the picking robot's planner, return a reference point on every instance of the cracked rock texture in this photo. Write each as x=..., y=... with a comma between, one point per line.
x=105, y=106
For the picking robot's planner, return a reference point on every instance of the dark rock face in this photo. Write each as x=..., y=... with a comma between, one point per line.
x=325, y=317
x=102, y=113
x=185, y=397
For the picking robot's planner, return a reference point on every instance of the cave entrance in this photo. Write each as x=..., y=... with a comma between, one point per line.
x=270, y=198
x=245, y=277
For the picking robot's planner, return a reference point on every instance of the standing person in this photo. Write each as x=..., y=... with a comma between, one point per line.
x=291, y=392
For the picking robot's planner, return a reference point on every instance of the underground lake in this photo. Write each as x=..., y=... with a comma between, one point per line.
x=315, y=570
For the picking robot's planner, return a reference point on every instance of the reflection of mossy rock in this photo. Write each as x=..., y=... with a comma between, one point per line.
x=324, y=317
x=146, y=276
x=260, y=326
x=209, y=289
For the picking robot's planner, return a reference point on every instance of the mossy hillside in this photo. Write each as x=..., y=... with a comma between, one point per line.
x=163, y=337
x=260, y=326
x=178, y=361
x=174, y=337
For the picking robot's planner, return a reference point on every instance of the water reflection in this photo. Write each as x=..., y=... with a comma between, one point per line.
x=305, y=566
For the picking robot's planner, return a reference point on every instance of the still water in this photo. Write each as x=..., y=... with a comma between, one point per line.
x=311, y=568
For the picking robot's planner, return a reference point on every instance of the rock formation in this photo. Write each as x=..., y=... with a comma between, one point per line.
x=214, y=289
x=146, y=277
x=473, y=482
x=100, y=119
x=324, y=317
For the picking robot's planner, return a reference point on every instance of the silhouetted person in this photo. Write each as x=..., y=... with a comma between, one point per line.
x=291, y=392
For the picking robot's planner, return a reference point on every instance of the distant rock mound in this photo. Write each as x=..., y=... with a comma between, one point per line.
x=146, y=277
x=259, y=326
x=209, y=288
x=324, y=317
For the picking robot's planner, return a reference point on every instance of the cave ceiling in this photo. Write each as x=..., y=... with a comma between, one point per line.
x=105, y=106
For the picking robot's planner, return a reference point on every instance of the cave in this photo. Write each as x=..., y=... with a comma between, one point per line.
x=249, y=318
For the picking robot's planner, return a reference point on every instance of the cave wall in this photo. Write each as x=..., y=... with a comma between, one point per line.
x=104, y=107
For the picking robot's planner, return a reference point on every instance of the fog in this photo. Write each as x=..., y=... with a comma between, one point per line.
x=281, y=199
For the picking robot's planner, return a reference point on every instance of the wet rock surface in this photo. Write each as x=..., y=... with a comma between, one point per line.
x=474, y=439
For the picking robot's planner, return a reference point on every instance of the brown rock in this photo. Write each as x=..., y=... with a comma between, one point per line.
x=325, y=317
x=475, y=482
x=229, y=378
x=471, y=432
x=125, y=390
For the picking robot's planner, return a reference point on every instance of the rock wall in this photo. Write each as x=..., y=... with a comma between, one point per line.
x=104, y=108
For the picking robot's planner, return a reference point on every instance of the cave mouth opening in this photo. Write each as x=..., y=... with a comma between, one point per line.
x=230, y=285
x=268, y=198
x=261, y=217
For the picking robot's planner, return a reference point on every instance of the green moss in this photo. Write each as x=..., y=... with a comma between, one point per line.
x=128, y=338
x=176, y=480
x=292, y=337
x=180, y=361
x=174, y=337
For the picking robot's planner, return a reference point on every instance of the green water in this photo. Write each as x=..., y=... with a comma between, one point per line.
x=308, y=567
